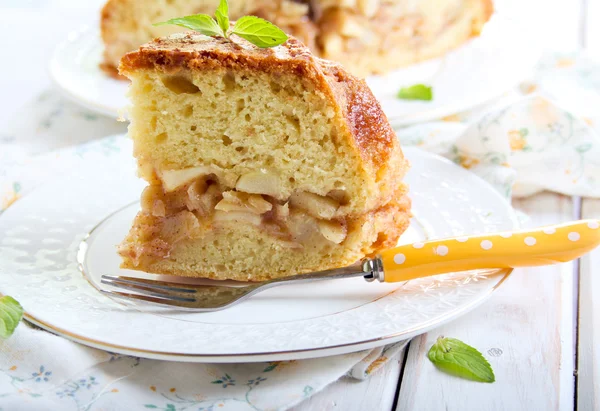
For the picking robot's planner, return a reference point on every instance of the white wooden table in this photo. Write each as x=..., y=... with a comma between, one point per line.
x=537, y=330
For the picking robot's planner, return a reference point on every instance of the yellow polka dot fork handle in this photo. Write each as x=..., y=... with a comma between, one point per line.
x=541, y=246
x=526, y=248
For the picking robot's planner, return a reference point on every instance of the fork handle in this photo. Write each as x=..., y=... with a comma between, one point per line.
x=540, y=246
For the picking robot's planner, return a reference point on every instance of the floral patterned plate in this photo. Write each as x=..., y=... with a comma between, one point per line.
x=57, y=241
x=481, y=70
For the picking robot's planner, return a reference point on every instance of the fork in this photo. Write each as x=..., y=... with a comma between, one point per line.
x=525, y=248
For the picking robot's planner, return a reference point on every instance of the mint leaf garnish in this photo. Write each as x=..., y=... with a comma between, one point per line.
x=222, y=15
x=202, y=23
x=416, y=92
x=456, y=357
x=11, y=313
x=257, y=31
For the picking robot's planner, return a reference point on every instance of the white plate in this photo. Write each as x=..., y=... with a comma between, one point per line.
x=477, y=72
x=44, y=244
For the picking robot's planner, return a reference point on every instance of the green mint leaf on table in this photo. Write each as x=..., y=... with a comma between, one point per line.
x=11, y=313
x=222, y=15
x=202, y=23
x=259, y=32
x=416, y=92
x=456, y=357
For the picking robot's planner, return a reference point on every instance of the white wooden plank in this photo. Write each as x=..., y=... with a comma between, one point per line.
x=525, y=330
x=588, y=369
x=375, y=393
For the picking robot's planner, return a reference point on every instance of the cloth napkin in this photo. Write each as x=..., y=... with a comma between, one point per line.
x=537, y=137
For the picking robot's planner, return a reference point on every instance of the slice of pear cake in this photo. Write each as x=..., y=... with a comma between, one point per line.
x=261, y=163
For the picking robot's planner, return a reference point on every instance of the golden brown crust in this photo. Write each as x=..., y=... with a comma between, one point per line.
x=373, y=136
x=368, y=124
x=197, y=52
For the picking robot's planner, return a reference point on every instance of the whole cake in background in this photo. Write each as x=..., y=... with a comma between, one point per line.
x=365, y=36
x=261, y=163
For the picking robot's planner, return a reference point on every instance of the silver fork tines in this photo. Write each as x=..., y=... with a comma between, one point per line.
x=204, y=298
x=196, y=297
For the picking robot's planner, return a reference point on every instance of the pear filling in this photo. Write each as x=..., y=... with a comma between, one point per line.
x=205, y=203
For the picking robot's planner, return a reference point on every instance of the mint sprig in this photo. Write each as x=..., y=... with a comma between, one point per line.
x=457, y=358
x=11, y=313
x=416, y=92
x=257, y=31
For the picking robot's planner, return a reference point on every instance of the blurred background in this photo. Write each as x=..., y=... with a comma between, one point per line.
x=31, y=29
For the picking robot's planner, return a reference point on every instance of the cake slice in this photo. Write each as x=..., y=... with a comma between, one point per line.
x=261, y=163
x=365, y=36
